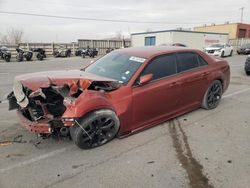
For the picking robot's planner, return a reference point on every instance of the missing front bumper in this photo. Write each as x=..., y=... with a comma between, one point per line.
x=41, y=126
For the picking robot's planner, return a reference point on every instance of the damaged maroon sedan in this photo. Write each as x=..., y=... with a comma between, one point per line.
x=126, y=91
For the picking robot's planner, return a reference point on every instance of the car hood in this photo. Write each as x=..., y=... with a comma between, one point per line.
x=38, y=80
x=213, y=48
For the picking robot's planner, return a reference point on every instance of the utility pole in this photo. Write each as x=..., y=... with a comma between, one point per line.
x=241, y=17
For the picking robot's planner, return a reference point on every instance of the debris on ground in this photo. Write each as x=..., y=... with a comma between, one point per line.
x=17, y=139
x=149, y=162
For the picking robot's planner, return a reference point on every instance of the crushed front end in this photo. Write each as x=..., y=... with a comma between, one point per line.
x=41, y=109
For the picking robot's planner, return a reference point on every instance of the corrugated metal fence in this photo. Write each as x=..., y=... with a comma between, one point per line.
x=101, y=45
x=237, y=43
x=48, y=47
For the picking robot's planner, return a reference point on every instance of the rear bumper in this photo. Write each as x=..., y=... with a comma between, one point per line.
x=37, y=127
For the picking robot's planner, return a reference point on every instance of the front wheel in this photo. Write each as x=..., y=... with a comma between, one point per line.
x=231, y=53
x=96, y=129
x=222, y=54
x=212, y=96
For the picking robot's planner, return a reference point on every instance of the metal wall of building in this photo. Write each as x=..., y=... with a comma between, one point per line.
x=197, y=40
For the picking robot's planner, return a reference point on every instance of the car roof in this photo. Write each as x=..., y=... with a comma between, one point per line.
x=149, y=51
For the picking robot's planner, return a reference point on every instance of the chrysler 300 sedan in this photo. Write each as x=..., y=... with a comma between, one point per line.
x=126, y=91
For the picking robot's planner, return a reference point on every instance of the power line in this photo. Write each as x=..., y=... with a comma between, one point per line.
x=95, y=19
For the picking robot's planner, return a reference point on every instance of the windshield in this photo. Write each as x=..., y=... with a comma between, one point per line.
x=116, y=65
x=217, y=46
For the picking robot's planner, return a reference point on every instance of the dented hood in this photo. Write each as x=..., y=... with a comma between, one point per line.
x=38, y=80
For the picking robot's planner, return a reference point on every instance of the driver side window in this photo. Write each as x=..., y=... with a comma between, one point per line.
x=161, y=66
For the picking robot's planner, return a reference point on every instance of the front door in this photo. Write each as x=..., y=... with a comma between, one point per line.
x=160, y=97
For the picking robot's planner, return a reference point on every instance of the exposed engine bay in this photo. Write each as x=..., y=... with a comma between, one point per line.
x=48, y=104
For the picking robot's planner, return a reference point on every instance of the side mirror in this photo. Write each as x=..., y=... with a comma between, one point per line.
x=145, y=79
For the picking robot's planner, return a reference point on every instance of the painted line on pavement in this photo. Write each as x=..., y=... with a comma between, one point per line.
x=32, y=160
x=236, y=93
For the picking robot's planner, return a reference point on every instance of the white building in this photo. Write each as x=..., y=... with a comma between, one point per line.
x=193, y=39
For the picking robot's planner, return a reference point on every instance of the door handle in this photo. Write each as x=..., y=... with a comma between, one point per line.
x=174, y=84
x=205, y=73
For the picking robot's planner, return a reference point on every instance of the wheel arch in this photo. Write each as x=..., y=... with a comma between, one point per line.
x=88, y=102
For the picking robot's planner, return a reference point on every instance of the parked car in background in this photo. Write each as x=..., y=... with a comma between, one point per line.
x=40, y=53
x=5, y=54
x=23, y=54
x=218, y=49
x=247, y=65
x=62, y=52
x=244, y=49
x=126, y=91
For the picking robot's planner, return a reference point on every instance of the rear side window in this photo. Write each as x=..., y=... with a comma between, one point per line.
x=202, y=62
x=162, y=66
x=188, y=60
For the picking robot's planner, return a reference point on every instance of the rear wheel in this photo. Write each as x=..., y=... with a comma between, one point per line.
x=39, y=57
x=19, y=58
x=96, y=129
x=212, y=96
x=7, y=58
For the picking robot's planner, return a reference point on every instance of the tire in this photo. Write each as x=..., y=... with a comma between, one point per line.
x=222, y=54
x=7, y=58
x=96, y=129
x=19, y=58
x=212, y=96
x=231, y=53
x=28, y=59
x=248, y=73
x=39, y=57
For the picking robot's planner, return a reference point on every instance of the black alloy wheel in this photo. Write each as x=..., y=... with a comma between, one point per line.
x=98, y=128
x=213, y=95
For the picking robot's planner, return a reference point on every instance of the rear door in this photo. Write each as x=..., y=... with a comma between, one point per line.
x=192, y=68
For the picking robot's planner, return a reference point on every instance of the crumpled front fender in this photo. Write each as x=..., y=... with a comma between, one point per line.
x=88, y=101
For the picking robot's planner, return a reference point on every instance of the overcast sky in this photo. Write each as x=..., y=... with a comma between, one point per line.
x=176, y=13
